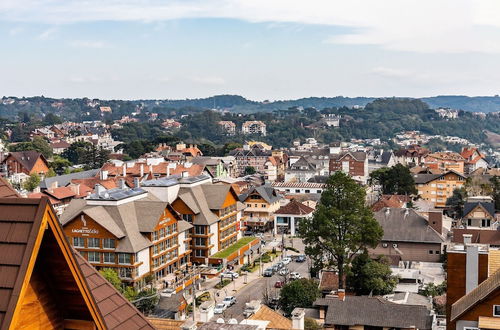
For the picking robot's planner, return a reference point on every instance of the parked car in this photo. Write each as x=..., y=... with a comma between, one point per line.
x=268, y=272
x=275, y=268
x=280, y=265
x=286, y=260
x=295, y=276
x=167, y=293
x=229, y=274
x=279, y=284
x=229, y=301
x=284, y=271
x=274, y=303
x=300, y=258
x=220, y=308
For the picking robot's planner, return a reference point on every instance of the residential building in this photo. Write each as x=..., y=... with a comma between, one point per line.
x=409, y=236
x=228, y=126
x=27, y=162
x=447, y=113
x=261, y=202
x=48, y=285
x=354, y=164
x=254, y=127
x=391, y=201
x=328, y=282
x=436, y=188
x=474, y=159
x=362, y=312
x=479, y=213
x=380, y=158
x=288, y=217
x=218, y=167
x=250, y=157
x=331, y=120
x=59, y=197
x=445, y=161
x=300, y=170
x=129, y=231
x=473, y=286
x=413, y=155
x=59, y=147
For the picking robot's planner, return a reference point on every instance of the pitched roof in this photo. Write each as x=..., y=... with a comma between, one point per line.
x=276, y=320
x=374, y=311
x=195, y=199
x=481, y=236
x=329, y=281
x=60, y=193
x=406, y=225
x=266, y=192
x=396, y=201
x=27, y=158
x=295, y=207
x=116, y=310
x=64, y=180
x=426, y=178
x=488, y=207
x=481, y=292
x=6, y=190
x=445, y=156
x=359, y=156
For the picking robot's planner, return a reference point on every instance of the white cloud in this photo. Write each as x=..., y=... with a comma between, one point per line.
x=88, y=44
x=428, y=26
x=15, y=31
x=47, y=34
x=209, y=80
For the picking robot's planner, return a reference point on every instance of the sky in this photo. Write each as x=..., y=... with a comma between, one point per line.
x=260, y=49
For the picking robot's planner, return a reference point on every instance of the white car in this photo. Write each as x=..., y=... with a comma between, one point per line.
x=229, y=301
x=283, y=271
x=220, y=308
x=230, y=274
x=295, y=276
x=286, y=260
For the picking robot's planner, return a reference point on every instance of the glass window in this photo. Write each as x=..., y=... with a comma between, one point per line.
x=109, y=258
x=79, y=242
x=93, y=243
x=94, y=257
x=108, y=243
x=124, y=258
x=496, y=310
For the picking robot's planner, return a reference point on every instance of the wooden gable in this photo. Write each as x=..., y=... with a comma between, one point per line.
x=49, y=290
x=168, y=217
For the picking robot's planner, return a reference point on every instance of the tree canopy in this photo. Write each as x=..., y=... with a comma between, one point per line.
x=369, y=276
x=342, y=226
x=298, y=293
x=456, y=202
x=395, y=180
x=38, y=144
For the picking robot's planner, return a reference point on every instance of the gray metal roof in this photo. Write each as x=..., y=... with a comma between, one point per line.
x=489, y=207
x=64, y=180
x=116, y=194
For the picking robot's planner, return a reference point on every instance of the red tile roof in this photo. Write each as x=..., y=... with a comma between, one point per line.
x=6, y=190
x=60, y=193
x=294, y=207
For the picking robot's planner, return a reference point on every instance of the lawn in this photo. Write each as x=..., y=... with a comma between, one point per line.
x=233, y=248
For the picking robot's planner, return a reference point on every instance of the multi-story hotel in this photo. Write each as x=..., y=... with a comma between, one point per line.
x=130, y=231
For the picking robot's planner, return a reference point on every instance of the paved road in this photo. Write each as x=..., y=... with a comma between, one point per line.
x=256, y=289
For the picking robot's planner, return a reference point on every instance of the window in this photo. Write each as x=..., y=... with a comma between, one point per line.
x=437, y=252
x=93, y=257
x=124, y=258
x=485, y=222
x=108, y=257
x=318, y=191
x=199, y=253
x=431, y=252
x=469, y=222
x=108, y=243
x=93, y=243
x=307, y=191
x=496, y=310
x=200, y=241
x=125, y=272
x=187, y=217
x=199, y=230
x=79, y=242
x=297, y=191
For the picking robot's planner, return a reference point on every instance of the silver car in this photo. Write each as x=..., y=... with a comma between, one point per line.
x=220, y=308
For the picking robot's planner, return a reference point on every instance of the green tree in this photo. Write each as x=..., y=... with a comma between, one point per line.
x=112, y=277
x=298, y=293
x=370, y=276
x=51, y=173
x=59, y=164
x=38, y=144
x=32, y=182
x=495, y=193
x=146, y=300
x=86, y=153
x=433, y=290
x=394, y=180
x=341, y=227
x=311, y=324
x=249, y=170
x=456, y=202
x=51, y=119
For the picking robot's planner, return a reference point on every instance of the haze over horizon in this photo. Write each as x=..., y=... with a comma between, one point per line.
x=275, y=50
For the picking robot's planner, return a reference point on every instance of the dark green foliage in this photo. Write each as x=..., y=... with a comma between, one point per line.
x=298, y=293
x=456, y=202
x=86, y=153
x=341, y=227
x=495, y=182
x=249, y=170
x=396, y=180
x=432, y=290
x=32, y=182
x=368, y=276
x=311, y=324
x=146, y=300
x=38, y=144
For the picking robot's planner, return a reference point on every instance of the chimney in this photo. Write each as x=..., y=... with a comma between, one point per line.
x=124, y=173
x=206, y=311
x=436, y=221
x=104, y=175
x=142, y=170
x=341, y=294
x=471, y=267
x=467, y=239
x=122, y=184
x=189, y=325
x=151, y=168
x=298, y=318
x=99, y=189
x=185, y=174
x=137, y=183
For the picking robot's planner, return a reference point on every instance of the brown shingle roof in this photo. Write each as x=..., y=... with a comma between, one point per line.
x=329, y=281
x=27, y=158
x=118, y=312
x=481, y=292
x=6, y=190
x=295, y=207
x=276, y=320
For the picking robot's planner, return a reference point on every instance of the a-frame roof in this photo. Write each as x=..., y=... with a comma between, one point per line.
x=23, y=224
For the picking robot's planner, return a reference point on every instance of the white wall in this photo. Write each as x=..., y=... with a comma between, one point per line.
x=143, y=256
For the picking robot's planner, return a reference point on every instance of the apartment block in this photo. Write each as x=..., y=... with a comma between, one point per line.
x=436, y=188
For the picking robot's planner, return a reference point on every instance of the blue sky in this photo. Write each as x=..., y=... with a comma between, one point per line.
x=273, y=49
